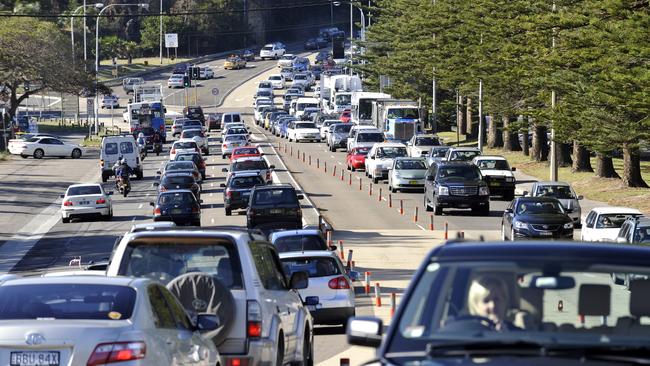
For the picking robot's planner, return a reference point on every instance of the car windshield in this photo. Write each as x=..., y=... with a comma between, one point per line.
x=439, y=153
x=463, y=155
x=66, y=301
x=391, y=152
x=299, y=77
x=264, y=85
x=427, y=141
x=314, y=266
x=305, y=125
x=267, y=48
x=185, y=145
x=191, y=133
x=641, y=235
x=191, y=123
x=343, y=99
x=235, y=138
x=539, y=208
x=183, y=180
x=370, y=137
x=276, y=196
x=245, y=182
x=275, y=77
x=410, y=165
x=167, y=258
x=559, y=192
x=559, y=303
x=493, y=164
x=83, y=190
x=246, y=151
x=236, y=131
x=343, y=128
x=361, y=151
x=403, y=113
x=612, y=221
x=180, y=165
x=249, y=165
x=286, y=70
x=459, y=173
x=293, y=243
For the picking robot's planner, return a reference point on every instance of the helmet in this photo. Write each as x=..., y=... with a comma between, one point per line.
x=141, y=135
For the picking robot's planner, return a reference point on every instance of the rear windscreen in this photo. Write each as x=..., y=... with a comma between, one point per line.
x=81, y=191
x=110, y=148
x=178, y=180
x=246, y=182
x=185, y=145
x=315, y=266
x=299, y=243
x=180, y=165
x=126, y=147
x=249, y=165
x=167, y=258
x=66, y=301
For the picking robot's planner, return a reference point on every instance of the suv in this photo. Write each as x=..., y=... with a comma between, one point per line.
x=380, y=159
x=274, y=204
x=129, y=83
x=462, y=154
x=194, y=112
x=267, y=323
x=456, y=185
x=498, y=175
x=634, y=230
x=114, y=147
x=237, y=189
x=272, y=50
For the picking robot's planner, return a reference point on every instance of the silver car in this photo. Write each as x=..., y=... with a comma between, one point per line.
x=407, y=173
x=97, y=320
x=437, y=153
x=232, y=141
x=564, y=193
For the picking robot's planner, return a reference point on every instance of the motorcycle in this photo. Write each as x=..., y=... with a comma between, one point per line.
x=123, y=184
x=157, y=148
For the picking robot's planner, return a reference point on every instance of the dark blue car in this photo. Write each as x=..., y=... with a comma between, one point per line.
x=536, y=218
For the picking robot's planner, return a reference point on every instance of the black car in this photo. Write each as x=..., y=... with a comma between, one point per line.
x=248, y=55
x=181, y=180
x=456, y=185
x=213, y=121
x=276, y=204
x=530, y=303
x=536, y=218
x=238, y=190
x=179, y=205
x=322, y=56
x=194, y=112
x=193, y=157
x=187, y=167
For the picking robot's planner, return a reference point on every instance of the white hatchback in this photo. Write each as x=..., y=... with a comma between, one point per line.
x=83, y=200
x=277, y=81
x=329, y=283
x=604, y=223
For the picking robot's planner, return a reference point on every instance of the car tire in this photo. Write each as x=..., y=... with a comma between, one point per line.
x=308, y=355
x=76, y=154
x=228, y=211
x=352, y=168
x=39, y=153
x=65, y=220
x=425, y=202
x=223, y=156
x=503, y=232
x=437, y=210
x=24, y=156
x=104, y=178
x=279, y=355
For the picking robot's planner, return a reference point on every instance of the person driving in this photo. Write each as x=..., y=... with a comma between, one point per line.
x=488, y=298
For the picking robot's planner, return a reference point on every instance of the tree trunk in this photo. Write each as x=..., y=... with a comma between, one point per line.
x=510, y=142
x=564, y=155
x=632, y=168
x=605, y=167
x=494, y=139
x=525, y=148
x=536, y=149
x=468, y=118
x=460, y=120
x=581, y=159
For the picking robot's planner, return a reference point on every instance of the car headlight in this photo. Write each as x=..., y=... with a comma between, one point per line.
x=443, y=191
x=483, y=191
x=510, y=179
x=568, y=225
x=520, y=225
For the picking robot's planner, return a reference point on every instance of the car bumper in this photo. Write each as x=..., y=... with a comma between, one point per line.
x=260, y=352
x=358, y=164
x=332, y=315
x=236, y=204
x=462, y=201
x=183, y=219
x=380, y=173
x=534, y=234
x=84, y=211
x=308, y=137
x=499, y=188
x=405, y=183
x=289, y=220
x=340, y=143
x=18, y=151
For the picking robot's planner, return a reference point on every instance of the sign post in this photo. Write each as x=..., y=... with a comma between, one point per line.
x=171, y=41
x=215, y=92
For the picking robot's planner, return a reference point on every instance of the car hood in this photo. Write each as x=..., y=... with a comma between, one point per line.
x=544, y=219
x=497, y=173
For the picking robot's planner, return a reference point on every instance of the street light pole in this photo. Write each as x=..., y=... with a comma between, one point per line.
x=331, y=13
x=85, y=48
x=96, y=5
x=161, y=32
x=351, y=37
x=553, y=163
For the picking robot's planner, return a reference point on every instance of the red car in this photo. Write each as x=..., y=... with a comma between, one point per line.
x=245, y=152
x=346, y=116
x=356, y=158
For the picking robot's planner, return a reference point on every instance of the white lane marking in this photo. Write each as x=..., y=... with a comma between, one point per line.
x=139, y=207
x=210, y=194
x=333, y=157
x=339, y=163
x=133, y=220
x=212, y=220
x=418, y=225
x=383, y=198
x=211, y=184
x=148, y=194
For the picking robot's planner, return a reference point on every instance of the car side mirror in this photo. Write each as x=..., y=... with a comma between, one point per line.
x=299, y=280
x=225, y=170
x=222, y=185
x=513, y=169
x=110, y=193
x=158, y=172
x=207, y=322
x=301, y=197
x=62, y=196
x=364, y=331
x=508, y=210
x=152, y=204
x=581, y=197
x=271, y=166
x=262, y=154
x=430, y=178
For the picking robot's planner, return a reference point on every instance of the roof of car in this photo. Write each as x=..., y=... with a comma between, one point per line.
x=615, y=210
x=172, y=191
x=421, y=158
x=536, y=199
x=389, y=144
x=465, y=148
x=80, y=279
x=551, y=183
x=308, y=253
x=552, y=252
x=83, y=185
x=274, y=185
x=491, y=157
x=442, y=163
x=249, y=158
x=299, y=232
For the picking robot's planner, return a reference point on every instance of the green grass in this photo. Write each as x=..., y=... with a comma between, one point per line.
x=52, y=126
x=138, y=65
x=92, y=141
x=4, y=155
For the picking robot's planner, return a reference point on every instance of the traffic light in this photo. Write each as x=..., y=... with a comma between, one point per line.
x=196, y=72
x=187, y=81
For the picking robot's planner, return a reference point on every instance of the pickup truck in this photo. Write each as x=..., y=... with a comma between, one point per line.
x=380, y=159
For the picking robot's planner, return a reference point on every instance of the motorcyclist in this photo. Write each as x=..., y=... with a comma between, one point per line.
x=122, y=168
x=142, y=141
x=156, y=137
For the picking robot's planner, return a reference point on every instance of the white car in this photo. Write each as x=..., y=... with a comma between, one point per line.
x=99, y=320
x=380, y=159
x=301, y=79
x=604, y=223
x=302, y=131
x=497, y=174
x=206, y=73
x=40, y=147
x=110, y=101
x=329, y=282
x=183, y=147
x=265, y=86
x=175, y=81
x=81, y=200
x=272, y=50
x=198, y=136
x=354, y=131
x=407, y=173
x=286, y=60
x=324, y=127
x=420, y=145
x=277, y=81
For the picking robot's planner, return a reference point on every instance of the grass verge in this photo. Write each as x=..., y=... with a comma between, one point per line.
x=56, y=127
x=138, y=65
x=4, y=155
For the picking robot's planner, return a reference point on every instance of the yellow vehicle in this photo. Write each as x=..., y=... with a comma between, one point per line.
x=234, y=62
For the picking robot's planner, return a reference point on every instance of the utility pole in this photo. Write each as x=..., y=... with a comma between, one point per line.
x=85, y=51
x=351, y=37
x=481, y=127
x=553, y=153
x=161, y=32
x=433, y=101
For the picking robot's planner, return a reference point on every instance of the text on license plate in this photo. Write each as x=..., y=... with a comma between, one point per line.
x=495, y=184
x=176, y=211
x=413, y=182
x=45, y=358
x=235, y=145
x=84, y=203
x=275, y=211
x=546, y=233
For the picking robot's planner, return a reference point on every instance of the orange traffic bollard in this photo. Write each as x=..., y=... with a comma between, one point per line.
x=370, y=189
x=390, y=200
x=360, y=184
x=344, y=362
x=341, y=250
x=342, y=174
x=377, y=295
x=393, y=303
x=446, y=230
x=325, y=165
x=379, y=195
x=317, y=163
x=431, y=228
x=401, y=207
x=334, y=171
x=367, y=282
x=415, y=215
x=350, y=180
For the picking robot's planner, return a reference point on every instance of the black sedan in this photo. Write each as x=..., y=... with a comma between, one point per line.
x=536, y=218
x=184, y=180
x=198, y=160
x=248, y=55
x=238, y=190
x=179, y=206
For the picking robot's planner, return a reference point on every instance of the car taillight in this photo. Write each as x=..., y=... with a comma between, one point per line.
x=253, y=319
x=237, y=361
x=132, y=129
x=224, y=146
x=156, y=211
x=117, y=352
x=173, y=151
x=100, y=201
x=101, y=163
x=228, y=193
x=195, y=209
x=67, y=203
x=338, y=283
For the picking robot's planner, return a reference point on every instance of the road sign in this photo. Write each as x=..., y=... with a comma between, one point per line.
x=215, y=91
x=90, y=107
x=171, y=40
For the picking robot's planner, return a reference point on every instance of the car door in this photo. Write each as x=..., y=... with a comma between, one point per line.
x=508, y=217
x=60, y=148
x=429, y=182
x=164, y=332
x=587, y=233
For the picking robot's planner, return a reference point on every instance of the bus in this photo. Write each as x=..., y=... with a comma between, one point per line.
x=146, y=114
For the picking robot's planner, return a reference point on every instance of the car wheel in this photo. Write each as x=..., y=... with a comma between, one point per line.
x=279, y=355
x=39, y=153
x=104, y=178
x=223, y=156
x=76, y=154
x=352, y=168
x=503, y=232
x=437, y=210
x=307, y=352
x=228, y=211
x=65, y=220
x=427, y=207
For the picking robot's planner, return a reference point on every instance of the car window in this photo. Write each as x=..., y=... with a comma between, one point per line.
x=180, y=316
x=391, y=152
x=264, y=260
x=370, y=137
x=185, y=145
x=560, y=192
x=176, y=198
x=641, y=234
x=126, y=147
x=162, y=314
x=67, y=301
x=182, y=180
x=276, y=196
x=314, y=266
x=493, y=164
x=539, y=208
x=246, y=151
x=591, y=217
x=410, y=165
x=245, y=182
x=249, y=165
x=611, y=221
x=343, y=128
x=305, y=125
x=292, y=243
x=83, y=190
x=427, y=141
x=179, y=165
x=110, y=148
x=191, y=133
x=459, y=173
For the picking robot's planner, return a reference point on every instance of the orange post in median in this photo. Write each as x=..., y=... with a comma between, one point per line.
x=393, y=303
x=341, y=250
x=446, y=230
x=401, y=207
x=367, y=282
x=370, y=189
x=360, y=184
x=334, y=171
x=344, y=362
x=325, y=166
x=342, y=174
x=379, y=196
x=415, y=215
x=390, y=200
x=377, y=295
x=317, y=163
x=350, y=180
x=431, y=228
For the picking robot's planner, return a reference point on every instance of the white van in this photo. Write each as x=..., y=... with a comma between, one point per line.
x=303, y=103
x=114, y=147
x=230, y=118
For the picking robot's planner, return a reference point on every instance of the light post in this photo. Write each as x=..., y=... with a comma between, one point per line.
x=161, y=33
x=145, y=6
x=363, y=28
x=96, y=5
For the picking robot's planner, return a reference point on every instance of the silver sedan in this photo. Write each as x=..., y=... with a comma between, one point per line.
x=407, y=173
x=97, y=320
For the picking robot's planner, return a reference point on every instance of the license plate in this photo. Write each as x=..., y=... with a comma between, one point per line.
x=176, y=211
x=235, y=145
x=275, y=211
x=84, y=203
x=546, y=233
x=413, y=182
x=46, y=358
x=495, y=184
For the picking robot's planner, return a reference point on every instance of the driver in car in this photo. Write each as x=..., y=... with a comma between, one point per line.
x=488, y=298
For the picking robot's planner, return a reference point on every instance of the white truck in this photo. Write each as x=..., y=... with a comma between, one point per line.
x=338, y=92
x=398, y=119
x=147, y=93
x=380, y=159
x=362, y=106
